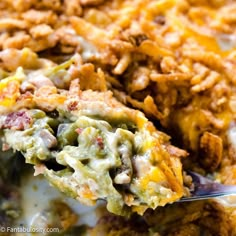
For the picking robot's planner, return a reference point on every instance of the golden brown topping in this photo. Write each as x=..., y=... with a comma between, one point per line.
x=211, y=148
x=91, y=2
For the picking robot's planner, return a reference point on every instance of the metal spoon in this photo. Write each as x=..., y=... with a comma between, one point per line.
x=205, y=188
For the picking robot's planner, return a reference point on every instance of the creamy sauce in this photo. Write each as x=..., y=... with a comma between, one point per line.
x=36, y=195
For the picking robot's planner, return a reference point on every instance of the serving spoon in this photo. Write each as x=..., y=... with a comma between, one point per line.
x=205, y=188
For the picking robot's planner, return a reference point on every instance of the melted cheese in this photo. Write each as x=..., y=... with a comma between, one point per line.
x=10, y=88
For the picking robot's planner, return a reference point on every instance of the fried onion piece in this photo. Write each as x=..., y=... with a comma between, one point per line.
x=211, y=148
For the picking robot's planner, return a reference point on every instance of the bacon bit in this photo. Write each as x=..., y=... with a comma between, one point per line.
x=19, y=120
x=99, y=142
x=79, y=130
x=72, y=106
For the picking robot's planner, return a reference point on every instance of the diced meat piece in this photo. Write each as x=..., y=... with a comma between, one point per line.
x=19, y=120
x=49, y=140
